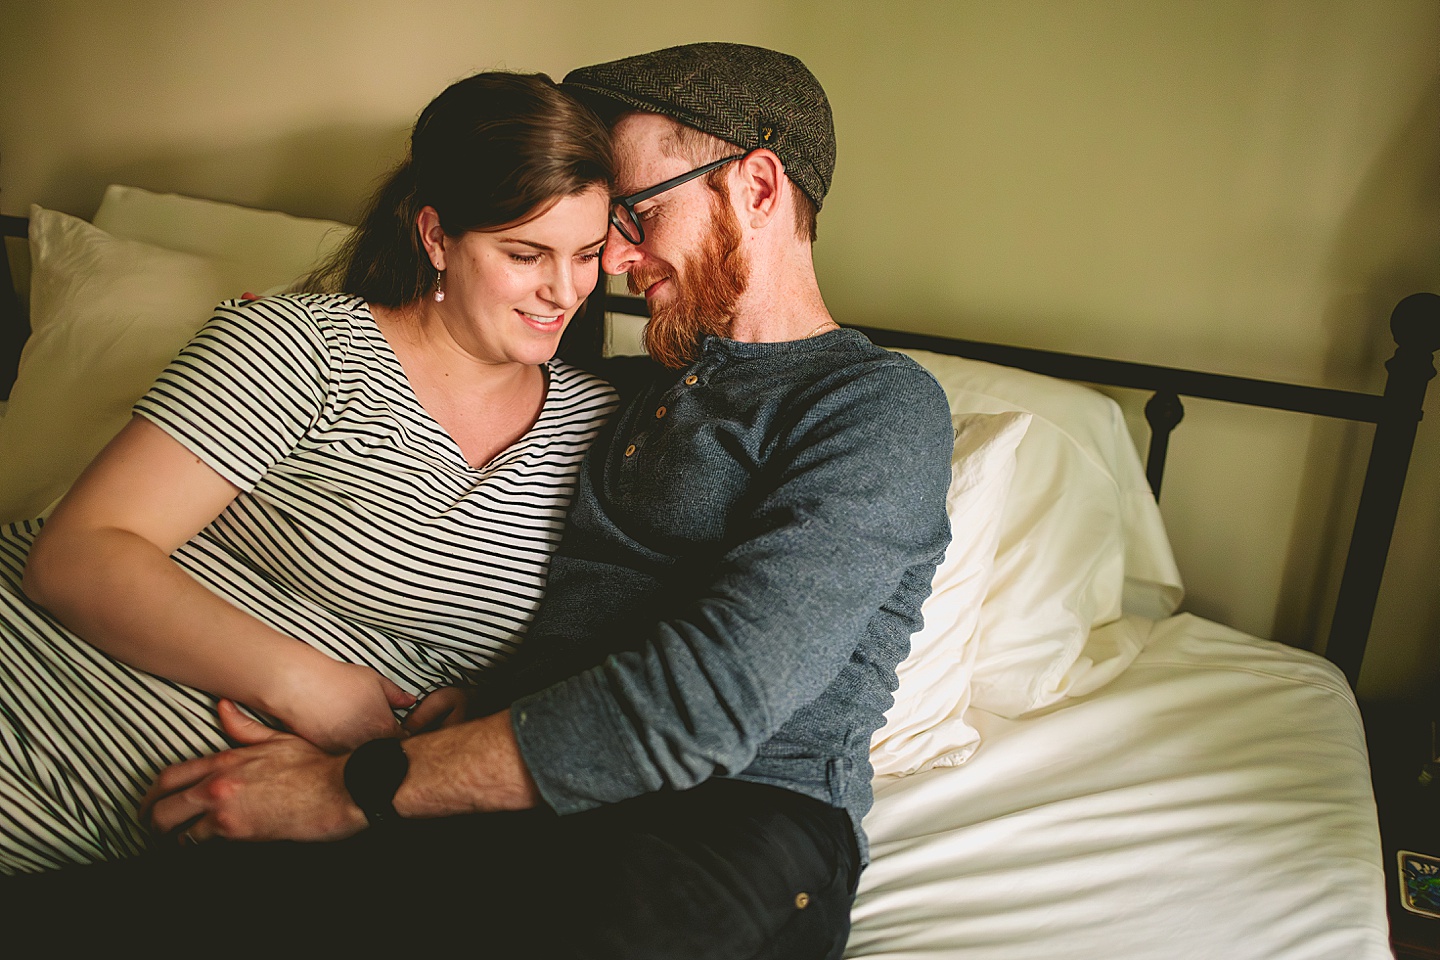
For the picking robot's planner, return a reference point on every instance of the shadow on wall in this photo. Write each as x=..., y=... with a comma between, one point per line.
x=1388, y=247
x=327, y=172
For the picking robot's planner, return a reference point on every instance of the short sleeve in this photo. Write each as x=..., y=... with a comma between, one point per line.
x=246, y=388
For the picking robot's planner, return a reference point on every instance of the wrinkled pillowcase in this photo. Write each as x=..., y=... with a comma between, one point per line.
x=106, y=316
x=926, y=726
x=111, y=313
x=1083, y=563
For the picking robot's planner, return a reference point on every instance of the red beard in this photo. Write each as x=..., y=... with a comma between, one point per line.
x=707, y=288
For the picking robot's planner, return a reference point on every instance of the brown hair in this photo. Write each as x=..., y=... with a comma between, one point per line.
x=491, y=150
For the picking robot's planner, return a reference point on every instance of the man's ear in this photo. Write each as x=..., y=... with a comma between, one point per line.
x=761, y=176
x=432, y=236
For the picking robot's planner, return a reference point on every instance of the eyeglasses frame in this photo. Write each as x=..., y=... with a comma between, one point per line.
x=627, y=203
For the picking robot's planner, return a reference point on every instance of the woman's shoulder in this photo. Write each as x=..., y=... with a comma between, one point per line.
x=317, y=308
x=310, y=330
x=319, y=317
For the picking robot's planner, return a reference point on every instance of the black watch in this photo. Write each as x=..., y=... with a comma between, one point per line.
x=373, y=774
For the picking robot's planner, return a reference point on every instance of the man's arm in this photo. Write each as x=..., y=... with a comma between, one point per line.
x=837, y=541
x=280, y=787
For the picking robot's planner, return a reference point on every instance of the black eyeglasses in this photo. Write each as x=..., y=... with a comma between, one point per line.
x=622, y=209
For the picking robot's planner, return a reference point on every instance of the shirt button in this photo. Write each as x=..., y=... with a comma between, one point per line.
x=659, y=413
x=802, y=900
x=630, y=450
x=691, y=380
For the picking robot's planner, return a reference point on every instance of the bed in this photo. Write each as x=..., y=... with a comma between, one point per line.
x=1073, y=767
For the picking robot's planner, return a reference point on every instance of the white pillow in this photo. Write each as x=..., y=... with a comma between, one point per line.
x=926, y=726
x=106, y=316
x=275, y=248
x=1082, y=557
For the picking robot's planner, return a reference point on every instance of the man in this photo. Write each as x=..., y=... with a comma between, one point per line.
x=681, y=769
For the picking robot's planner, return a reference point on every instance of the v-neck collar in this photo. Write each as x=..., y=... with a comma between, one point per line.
x=424, y=415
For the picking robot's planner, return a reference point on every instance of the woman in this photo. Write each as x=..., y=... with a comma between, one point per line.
x=381, y=474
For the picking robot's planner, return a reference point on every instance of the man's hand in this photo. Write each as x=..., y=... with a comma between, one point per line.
x=281, y=787
x=277, y=787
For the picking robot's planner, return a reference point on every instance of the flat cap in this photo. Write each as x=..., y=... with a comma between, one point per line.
x=749, y=96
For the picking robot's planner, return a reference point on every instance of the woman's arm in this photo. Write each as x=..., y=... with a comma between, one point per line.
x=101, y=565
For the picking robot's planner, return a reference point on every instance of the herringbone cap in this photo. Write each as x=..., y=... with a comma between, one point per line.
x=749, y=96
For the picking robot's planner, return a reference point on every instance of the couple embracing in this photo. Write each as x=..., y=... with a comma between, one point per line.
x=674, y=761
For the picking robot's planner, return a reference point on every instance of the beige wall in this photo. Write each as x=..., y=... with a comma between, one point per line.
x=1239, y=185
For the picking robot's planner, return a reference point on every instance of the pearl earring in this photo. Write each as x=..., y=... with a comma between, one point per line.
x=439, y=285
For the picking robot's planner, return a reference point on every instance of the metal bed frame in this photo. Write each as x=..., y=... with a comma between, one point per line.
x=1395, y=414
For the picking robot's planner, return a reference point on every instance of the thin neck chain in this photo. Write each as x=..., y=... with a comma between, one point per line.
x=821, y=327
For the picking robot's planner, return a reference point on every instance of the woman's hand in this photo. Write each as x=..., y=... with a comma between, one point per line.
x=440, y=708
x=338, y=706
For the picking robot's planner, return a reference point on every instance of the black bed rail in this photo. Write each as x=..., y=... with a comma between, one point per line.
x=14, y=329
x=1167, y=384
x=1396, y=413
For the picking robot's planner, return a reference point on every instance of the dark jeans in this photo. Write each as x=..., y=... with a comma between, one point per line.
x=729, y=869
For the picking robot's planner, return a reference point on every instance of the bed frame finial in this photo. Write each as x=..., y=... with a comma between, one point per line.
x=1415, y=324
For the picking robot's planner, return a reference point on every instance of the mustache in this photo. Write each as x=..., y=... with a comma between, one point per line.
x=638, y=280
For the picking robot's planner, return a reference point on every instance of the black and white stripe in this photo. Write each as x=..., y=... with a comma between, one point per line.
x=360, y=529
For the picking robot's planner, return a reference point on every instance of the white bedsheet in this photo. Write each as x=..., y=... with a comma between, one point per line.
x=1212, y=802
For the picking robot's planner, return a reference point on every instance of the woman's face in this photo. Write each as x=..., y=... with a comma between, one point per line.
x=510, y=292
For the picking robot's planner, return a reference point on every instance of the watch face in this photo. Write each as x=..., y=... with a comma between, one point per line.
x=373, y=774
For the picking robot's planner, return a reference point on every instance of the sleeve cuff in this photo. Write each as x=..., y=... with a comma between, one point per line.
x=576, y=748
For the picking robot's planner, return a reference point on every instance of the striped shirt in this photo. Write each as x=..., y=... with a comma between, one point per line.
x=360, y=529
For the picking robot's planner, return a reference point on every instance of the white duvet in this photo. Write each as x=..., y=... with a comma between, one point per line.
x=1213, y=802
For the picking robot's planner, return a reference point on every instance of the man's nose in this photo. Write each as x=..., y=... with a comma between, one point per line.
x=620, y=254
